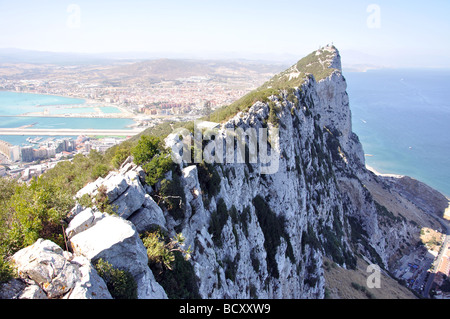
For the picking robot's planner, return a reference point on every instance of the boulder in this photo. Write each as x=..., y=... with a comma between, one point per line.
x=116, y=241
x=46, y=271
x=127, y=161
x=78, y=208
x=32, y=292
x=90, y=188
x=116, y=185
x=150, y=215
x=132, y=198
x=83, y=221
x=44, y=263
x=123, y=188
x=90, y=285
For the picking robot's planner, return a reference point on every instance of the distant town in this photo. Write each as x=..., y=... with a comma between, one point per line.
x=154, y=88
x=149, y=92
x=26, y=162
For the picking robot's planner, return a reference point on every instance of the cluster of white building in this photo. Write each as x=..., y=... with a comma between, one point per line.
x=47, y=149
x=47, y=154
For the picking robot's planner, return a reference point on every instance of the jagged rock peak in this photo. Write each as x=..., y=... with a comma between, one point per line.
x=333, y=58
x=320, y=64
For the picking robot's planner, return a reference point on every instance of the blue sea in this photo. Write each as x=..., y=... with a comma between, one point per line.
x=13, y=104
x=18, y=103
x=402, y=118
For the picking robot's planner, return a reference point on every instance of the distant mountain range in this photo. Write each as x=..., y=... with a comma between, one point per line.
x=354, y=60
x=13, y=55
x=21, y=64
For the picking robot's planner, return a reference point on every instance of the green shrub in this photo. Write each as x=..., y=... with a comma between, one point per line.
x=363, y=289
x=332, y=245
x=37, y=209
x=120, y=283
x=6, y=270
x=101, y=201
x=34, y=211
x=145, y=149
x=255, y=261
x=119, y=157
x=231, y=267
x=244, y=219
x=181, y=281
x=168, y=260
x=150, y=153
x=310, y=64
x=161, y=251
x=157, y=251
x=309, y=238
x=100, y=170
x=157, y=168
x=273, y=111
x=243, y=104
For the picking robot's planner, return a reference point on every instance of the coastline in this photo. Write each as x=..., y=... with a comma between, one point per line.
x=86, y=103
x=47, y=94
x=446, y=213
x=373, y=170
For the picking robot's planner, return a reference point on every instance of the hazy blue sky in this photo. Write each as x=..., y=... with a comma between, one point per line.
x=391, y=32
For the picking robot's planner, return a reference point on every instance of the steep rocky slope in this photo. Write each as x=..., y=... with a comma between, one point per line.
x=255, y=235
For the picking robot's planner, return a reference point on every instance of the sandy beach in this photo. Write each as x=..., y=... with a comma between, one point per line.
x=370, y=168
x=447, y=211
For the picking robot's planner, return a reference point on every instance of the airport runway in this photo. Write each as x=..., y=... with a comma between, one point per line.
x=69, y=132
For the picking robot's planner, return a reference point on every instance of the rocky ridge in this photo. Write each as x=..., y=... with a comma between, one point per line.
x=274, y=230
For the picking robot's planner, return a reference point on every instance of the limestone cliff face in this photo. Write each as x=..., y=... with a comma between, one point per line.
x=279, y=226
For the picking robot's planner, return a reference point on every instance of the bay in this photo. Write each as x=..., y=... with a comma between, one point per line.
x=13, y=104
x=16, y=103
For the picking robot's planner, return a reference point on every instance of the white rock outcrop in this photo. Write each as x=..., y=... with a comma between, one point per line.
x=123, y=188
x=44, y=263
x=90, y=285
x=116, y=241
x=149, y=216
x=49, y=272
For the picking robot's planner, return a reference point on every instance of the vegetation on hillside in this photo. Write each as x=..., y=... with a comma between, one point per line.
x=314, y=64
x=29, y=211
x=120, y=283
x=243, y=104
x=168, y=259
